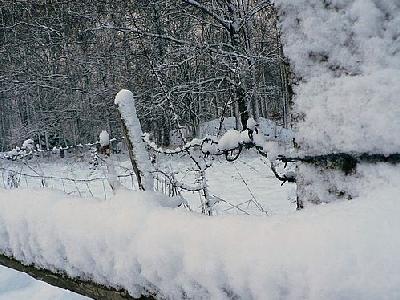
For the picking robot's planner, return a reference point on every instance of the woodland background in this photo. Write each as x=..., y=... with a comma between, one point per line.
x=63, y=61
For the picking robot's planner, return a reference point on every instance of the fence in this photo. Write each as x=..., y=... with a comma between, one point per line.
x=89, y=180
x=18, y=174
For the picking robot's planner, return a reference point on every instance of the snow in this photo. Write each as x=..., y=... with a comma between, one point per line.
x=274, y=150
x=233, y=138
x=251, y=123
x=126, y=104
x=221, y=174
x=28, y=144
x=211, y=127
x=324, y=252
x=224, y=180
x=104, y=138
x=230, y=140
x=19, y=286
x=270, y=129
x=347, y=55
x=274, y=132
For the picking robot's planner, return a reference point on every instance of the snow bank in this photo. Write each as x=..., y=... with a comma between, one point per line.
x=347, y=54
x=325, y=252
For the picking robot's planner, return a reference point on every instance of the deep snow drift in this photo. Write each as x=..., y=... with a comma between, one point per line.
x=344, y=251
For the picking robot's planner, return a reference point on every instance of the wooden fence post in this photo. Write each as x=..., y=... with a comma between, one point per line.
x=133, y=133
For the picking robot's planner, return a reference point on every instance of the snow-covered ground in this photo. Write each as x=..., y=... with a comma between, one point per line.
x=247, y=178
x=19, y=286
x=69, y=175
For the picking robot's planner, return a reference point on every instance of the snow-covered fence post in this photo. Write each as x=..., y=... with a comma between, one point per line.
x=13, y=181
x=133, y=133
x=346, y=97
x=105, y=149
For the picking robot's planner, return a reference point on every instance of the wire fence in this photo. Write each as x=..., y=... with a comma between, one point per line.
x=83, y=187
x=15, y=176
x=89, y=183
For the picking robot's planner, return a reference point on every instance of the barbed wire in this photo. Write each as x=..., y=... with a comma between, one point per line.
x=21, y=152
x=63, y=178
x=164, y=182
x=347, y=162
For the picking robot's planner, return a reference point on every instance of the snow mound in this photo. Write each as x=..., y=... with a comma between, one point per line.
x=325, y=252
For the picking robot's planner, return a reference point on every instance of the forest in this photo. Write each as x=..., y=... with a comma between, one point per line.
x=62, y=62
